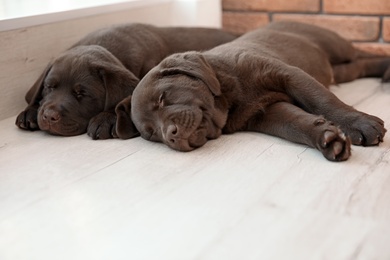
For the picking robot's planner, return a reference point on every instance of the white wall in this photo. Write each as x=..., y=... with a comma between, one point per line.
x=197, y=12
x=24, y=52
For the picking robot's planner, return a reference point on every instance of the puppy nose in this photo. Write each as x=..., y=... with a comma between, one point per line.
x=51, y=116
x=174, y=137
x=172, y=133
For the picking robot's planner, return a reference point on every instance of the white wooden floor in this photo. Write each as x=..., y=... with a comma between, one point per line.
x=243, y=196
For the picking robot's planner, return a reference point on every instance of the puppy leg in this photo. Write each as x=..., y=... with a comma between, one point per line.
x=294, y=124
x=362, y=67
x=313, y=97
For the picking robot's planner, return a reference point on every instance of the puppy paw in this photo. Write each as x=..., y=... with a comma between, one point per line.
x=27, y=119
x=363, y=129
x=102, y=126
x=333, y=143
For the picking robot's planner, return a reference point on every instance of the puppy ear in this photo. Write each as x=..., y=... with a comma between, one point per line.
x=118, y=81
x=125, y=129
x=192, y=64
x=34, y=94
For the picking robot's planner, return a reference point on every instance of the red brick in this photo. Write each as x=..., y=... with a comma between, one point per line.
x=354, y=28
x=272, y=5
x=386, y=29
x=242, y=22
x=357, y=6
x=377, y=48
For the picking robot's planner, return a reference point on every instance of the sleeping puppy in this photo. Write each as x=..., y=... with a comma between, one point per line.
x=273, y=80
x=79, y=90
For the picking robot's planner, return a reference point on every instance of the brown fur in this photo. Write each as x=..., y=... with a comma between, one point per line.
x=273, y=80
x=79, y=90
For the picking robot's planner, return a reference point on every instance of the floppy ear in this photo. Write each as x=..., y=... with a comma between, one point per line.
x=124, y=128
x=34, y=94
x=118, y=81
x=192, y=64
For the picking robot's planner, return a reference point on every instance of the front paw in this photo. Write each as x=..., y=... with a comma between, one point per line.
x=365, y=130
x=333, y=143
x=27, y=120
x=102, y=126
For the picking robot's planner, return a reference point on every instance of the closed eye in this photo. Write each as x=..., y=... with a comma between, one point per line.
x=161, y=98
x=49, y=86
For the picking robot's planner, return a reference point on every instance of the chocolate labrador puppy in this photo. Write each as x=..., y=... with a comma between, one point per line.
x=273, y=80
x=79, y=90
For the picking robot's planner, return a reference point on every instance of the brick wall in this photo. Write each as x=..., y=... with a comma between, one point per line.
x=365, y=22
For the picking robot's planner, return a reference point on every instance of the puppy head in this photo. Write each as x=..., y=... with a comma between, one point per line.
x=78, y=85
x=175, y=103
